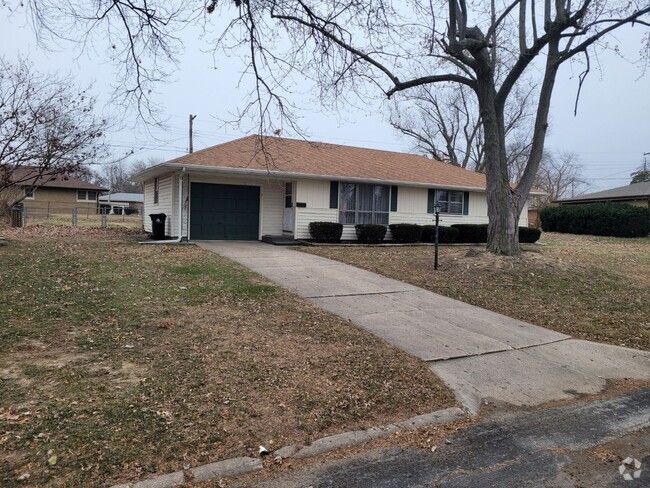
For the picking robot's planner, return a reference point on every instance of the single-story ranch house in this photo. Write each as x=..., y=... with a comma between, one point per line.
x=637, y=194
x=53, y=192
x=121, y=203
x=270, y=186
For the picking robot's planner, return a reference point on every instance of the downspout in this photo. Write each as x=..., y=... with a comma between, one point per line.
x=180, y=214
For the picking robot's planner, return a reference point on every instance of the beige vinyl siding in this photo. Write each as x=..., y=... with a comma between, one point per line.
x=164, y=204
x=315, y=194
x=411, y=200
x=412, y=209
x=306, y=215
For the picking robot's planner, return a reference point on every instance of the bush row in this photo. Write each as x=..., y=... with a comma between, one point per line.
x=598, y=219
x=405, y=233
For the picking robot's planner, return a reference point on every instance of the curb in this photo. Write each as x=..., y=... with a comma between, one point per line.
x=245, y=465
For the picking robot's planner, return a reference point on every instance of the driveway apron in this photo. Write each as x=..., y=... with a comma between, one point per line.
x=479, y=354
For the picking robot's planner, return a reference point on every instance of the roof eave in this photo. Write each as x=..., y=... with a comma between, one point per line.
x=159, y=169
x=602, y=199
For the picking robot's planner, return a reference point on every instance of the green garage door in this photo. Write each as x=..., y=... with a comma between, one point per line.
x=224, y=212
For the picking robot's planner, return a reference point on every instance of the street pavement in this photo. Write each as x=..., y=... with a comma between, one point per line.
x=480, y=355
x=553, y=447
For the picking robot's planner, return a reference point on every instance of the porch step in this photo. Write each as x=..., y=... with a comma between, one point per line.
x=280, y=240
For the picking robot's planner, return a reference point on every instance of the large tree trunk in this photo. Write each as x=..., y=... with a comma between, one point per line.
x=503, y=214
x=502, y=199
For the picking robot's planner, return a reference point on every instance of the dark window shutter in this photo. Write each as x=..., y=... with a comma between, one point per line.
x=466, y=203
x=334, y=194
x=393, y=199
x=431, y=200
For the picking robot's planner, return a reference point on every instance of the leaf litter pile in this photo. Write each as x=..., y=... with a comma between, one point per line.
x=594, y=288
x=119, y=361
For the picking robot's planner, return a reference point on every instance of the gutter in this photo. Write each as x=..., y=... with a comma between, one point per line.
x=180, y=214
x=148, y=173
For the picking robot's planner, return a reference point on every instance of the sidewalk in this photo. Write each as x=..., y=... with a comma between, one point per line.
x=478, y=353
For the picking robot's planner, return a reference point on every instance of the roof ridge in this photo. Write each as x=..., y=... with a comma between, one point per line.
x=447, y=166
x=221, y=144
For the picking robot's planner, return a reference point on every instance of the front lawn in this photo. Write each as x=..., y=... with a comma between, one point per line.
x=595, y=288
x=120, y=360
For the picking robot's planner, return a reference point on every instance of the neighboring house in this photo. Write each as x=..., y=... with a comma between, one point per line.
x=122, y=203
x=637, y=194
x=56, y=193
x=252, y=187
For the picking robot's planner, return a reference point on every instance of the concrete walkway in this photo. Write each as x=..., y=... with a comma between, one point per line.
x=478, y=353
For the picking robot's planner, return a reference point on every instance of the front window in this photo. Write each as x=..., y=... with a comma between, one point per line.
x=92, y=195
x=29, y=192
x=363, y=204
x=81, y=195
x=451, y=202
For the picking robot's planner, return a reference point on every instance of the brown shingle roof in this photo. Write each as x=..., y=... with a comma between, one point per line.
x=630, y=192
x=333, y=160
x=28, y=176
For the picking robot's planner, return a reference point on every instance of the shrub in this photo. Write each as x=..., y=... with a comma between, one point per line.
x=471, y=233
x=326, y=231
x=599, y=219
x=370, y=233
x=446, y=235
x=406, y=232
x=529, y=235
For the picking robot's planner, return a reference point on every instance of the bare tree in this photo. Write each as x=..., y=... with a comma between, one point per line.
x=560, y=175
x=47, y=130
x=444, y=123
x=140, y=37
x=117, y=176
x=359, y=48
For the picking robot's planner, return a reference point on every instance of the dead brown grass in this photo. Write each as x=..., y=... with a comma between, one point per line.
x=125, y=360
x=590, y=287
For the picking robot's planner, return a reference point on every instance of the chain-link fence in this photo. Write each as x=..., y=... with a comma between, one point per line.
x=55, y=213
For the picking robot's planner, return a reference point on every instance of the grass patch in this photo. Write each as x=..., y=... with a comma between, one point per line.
x=125, y=360
x=590, y=287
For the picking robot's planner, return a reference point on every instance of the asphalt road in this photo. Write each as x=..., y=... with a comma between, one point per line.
x=579, y=445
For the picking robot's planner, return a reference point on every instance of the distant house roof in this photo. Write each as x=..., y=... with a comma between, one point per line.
x=123, y=197
x=278, y=156
x=29, y=176
x=635, y=191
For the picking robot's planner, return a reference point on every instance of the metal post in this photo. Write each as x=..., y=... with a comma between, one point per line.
x=74, y=217
x=104, y=223
x=435, y=262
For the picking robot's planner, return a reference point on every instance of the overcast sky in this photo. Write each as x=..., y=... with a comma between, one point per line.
x=610, y=133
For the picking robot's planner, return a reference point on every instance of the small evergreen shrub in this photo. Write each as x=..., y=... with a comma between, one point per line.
x=529, y=235
x=471, y=233
x=370, y=233
x=406, y=232
x=599, y=219
x=326, y=231
x=446, y=235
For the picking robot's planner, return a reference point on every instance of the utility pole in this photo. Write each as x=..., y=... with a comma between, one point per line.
x=192, y=117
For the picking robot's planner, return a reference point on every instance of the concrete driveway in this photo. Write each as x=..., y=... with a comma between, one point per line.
x=479, y=354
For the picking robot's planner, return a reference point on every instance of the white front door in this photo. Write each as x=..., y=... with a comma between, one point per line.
x=289, y=208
